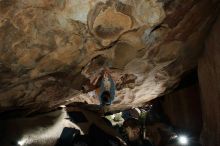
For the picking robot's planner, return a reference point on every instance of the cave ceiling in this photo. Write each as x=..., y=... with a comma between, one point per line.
x=51, y=49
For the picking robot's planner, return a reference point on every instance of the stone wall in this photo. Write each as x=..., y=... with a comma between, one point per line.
x=209, y=79
x=184, y=110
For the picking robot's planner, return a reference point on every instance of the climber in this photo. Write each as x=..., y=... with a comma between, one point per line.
x=106, y=90
x=103, y=87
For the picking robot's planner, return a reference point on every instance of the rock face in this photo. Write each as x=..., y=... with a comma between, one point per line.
x=184, y=110
x=50, y=49
x=209, y=78
x=41, y=130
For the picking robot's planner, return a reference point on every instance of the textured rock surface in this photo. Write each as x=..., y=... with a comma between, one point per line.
x=49, y=49
x=209, y=78
x=184, y=110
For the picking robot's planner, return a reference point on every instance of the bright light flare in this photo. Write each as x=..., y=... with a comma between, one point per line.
x=183, y=140
x=21, y=142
